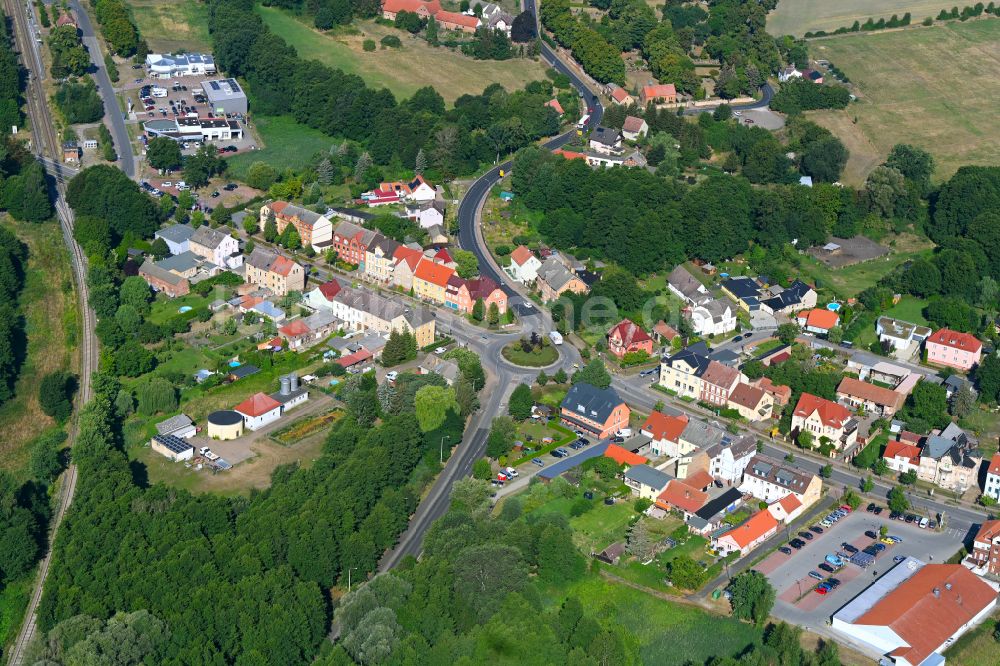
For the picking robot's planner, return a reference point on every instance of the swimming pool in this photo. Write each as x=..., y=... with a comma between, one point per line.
x=184, y=308
x=234, y=364
x=833, y=307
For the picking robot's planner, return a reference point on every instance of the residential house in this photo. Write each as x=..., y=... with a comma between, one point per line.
x=259, y=410
x=916, y=611
x=646, y=482
x=439, y=366
x=295, y=333
x=986, y=547
x=351, y=242
x=752, y=402
x=681, y=372
x=817, y=320
x=695, y=448
x=664, y=333
x=495, y=18
x=633, y=158
x=606, y=140
x=950, y=459
x=953, y=349
x=789, y=73
x=902, y=456
x=427, y=215
x=715, y=317
x=664, y=433
x=440, y=256
x=787, y=509
x=405, y=260
x=462, y=294
x=366, y=311
x=417, y=190
x=902, y=337
x=215, y=246
x=687, y=287
x=682, y=497
x=744, y=291
x=781, y=394
x=710, y=518
x=826, y=420
x=658, y=94
x=430, y=281
x=597, y=412
x=634, y=128
x=524, y=265
x=436, y=235
x=380, y=259
x=314, y=229
x=744, y=538
x=992, y=486
x=628, y=338
x=726, y=459
x=623, y=456
x=277, y=273
x=812, y=75
x=554, y=279
x=718, y=382
x=321, y=297
x=176, y=236
x=456, y=21
x=163, y=280
x=555, y=106
x=307, y=331
x=770, y=480
x=873, y=399
x=185, y=264
x=795, y=297
x=619, y=95
x=419, y=7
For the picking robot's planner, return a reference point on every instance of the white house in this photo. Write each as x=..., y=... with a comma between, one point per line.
x=426, y=217
x=219, y=248
x=258, y=410
x=902, y=337
x=170, y=65
x=789, y=73
x=729, y=458
x=177, y=237
x=524, y=265
x=634, y=128
x=713, y=318
x=992, y=487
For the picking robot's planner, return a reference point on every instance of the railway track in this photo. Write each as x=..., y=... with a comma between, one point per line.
x=45, y=146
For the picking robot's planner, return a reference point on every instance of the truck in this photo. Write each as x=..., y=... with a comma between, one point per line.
x=207, y=453
x=556, y=337
x=157, y=91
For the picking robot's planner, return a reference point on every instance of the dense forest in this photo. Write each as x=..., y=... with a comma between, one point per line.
x=456, y=141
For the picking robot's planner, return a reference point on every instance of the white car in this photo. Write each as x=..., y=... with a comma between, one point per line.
x=391, y=375
x=737, y=113
x=440, y=350
x=166, y=183
x=511, y=472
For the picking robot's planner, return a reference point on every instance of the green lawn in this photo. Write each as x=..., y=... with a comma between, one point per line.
x=551, y=395
x=850, y=280
x=404, y=70
x=164, y=308
x=796, y=17
x=174, y=25
x=537, y=358
x=13, y=600
x=286, y=144
x=976, y=648
x=909, y=308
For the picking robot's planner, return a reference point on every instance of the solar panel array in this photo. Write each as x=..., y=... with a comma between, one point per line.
x=173, y=443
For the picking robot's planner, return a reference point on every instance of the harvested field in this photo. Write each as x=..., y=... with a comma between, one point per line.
x=796, y=17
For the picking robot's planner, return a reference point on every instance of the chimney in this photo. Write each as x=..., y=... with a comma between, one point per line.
x=937, y=592
x=947, y=586
x=285, y=385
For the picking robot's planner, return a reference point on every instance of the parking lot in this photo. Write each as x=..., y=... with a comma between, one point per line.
x=789, y=574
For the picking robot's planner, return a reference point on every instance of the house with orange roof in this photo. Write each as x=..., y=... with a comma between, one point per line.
x=781, y=394
x=953, y=349
x=416, y=190
x=619, y=95
x=419, y=7
x=902, y=456
x=469, y=291
x=682, y=497
x=873, y=399
x=915, y=611
x=275, y=272
x=744, y=538
x=258, y=410
x=634, y=128
x=658, y=95
x=786, y=509
x=817, y=320
x=554, y=104
x=314, y=229
x=992, y=486
x=826, y=420
x=752, y=402
x=294, y=332
x=405, y=261
x=664, y=432
x=570, y=154
x=986, y=547
x=628, y=338
x=430, y=281
x=664, y=332
x=524, y=265
x=623, y=456
x=456, y=21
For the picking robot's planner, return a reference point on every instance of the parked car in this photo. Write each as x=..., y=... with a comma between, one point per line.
x=898, y=558
x=871, y=534
x=878, y=511
x=923, y=523
x=834, y=583
x=557, y=453
x=817, y=529
x=826, y=567
x=797, y=543
x=870, y=508
x=786, y=550
x=391, y=375
x=895, y=515
x=879, y=547
x=511, y=472
x=821, y=589
x=815, y=574
x=834, y=560
x=538, y=461
x=846, y=508
x=808, y=536
x=849, y=548
x=229, y=187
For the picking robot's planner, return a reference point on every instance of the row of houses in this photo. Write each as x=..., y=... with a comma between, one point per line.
x=949, y=458
x=195, y=254
x=431, y=8
x=752, y=295
x=553, y=277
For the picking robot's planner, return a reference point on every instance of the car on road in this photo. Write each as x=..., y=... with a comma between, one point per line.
x=815, y=574
x=647, y=373
x=898, y=558
x=786, y=550
x=617, y=439
x=538, y=461
x=808, y=536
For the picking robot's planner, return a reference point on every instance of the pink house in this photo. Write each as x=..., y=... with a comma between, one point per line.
x=954, y=349
x=462, y=294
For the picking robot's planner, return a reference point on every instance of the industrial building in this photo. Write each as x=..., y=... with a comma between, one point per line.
x=170, y=65
x=225, y=96
x=225, y=424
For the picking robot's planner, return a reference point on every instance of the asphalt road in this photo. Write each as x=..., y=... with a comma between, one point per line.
x=112, y=112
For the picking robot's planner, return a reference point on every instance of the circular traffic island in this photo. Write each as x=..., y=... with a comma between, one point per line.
x=225, y=424
x=531, y=352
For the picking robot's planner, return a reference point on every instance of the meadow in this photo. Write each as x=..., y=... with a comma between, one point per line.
x=935, y=88
x=178, y=25
x=796, y=17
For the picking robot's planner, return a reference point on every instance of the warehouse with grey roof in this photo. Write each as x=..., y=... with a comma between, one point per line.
x=225, y=96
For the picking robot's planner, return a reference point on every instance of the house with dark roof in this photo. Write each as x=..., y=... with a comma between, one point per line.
x=554, y=279
x=176, y=236
x=164, y=281
x=598, y=412
x=682, y=372
x=752, y=402
x=215, y=246
x=710, y=517
x=687, y=287
x=950, y=458
x=646, y=482
x=744, y=291
x=797, y=296
x=605, y=140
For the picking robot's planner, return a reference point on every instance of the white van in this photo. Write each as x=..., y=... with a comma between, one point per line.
x=556, y=337
x=157, y=91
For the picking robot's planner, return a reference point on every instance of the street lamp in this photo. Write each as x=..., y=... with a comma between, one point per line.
x=349, y=570
x=441, y=460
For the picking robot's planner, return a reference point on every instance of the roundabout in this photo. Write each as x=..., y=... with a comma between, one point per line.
x=533, y=353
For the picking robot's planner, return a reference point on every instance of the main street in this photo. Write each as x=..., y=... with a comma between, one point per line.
x=45, y=146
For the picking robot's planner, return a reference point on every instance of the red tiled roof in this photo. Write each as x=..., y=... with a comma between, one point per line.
x=989, y=530
x=624, y=456
x=457, y=19
x=789, y=502
x=277, y=206
x=955, y=340
x=779, y=390
x=682, y=496
x=663, y=427
x=818, y=318
x=443, y=257
x=662, y=90
x=436, y=274
x=746, y=395
x=396, y=6
x=929, y=607
x=619, y=94
x=698, y=480
x=257, y=405
x=249, y=301
x=759, y=524
x=629, y=333
x=880, y=395
x=897, y=449
x=995, y=464
x=329, y=289
x=351, y=359
x=633, y=124
x=665, y=330
x=481, y=287
x=407, y=254
x=282, y=266
x=718, y=374
x=520, y=255
x=832, y=414
x=554, y=103
x=294, y=329
x=570, y=154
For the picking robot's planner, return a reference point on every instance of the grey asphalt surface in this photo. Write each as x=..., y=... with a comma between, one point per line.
x=112, y=112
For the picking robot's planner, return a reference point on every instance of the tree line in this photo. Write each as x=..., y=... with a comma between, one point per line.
x=341, y=105
x=119, y=29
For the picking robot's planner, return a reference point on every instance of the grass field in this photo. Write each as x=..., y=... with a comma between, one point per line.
x=537, y=358
x=933, y=87
x=976, y=648
x=864, y=155
x=172, y=26
x=796, y=17
x=403, y=70
x=49, y=306
x=287, y=144
x=850, y=280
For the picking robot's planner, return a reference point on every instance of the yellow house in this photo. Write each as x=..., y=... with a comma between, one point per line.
x=430, y=280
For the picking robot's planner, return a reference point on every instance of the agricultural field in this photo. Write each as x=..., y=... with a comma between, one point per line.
x=178, y=25
x=797, y=17
x=403, y=70
x=933, y=87
x=51, y=325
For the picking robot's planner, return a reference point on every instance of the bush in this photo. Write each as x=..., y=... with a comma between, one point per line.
x=391, y=41
x=580, y=507
x=55, y=395
x=79, y=102
x=369, y=45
